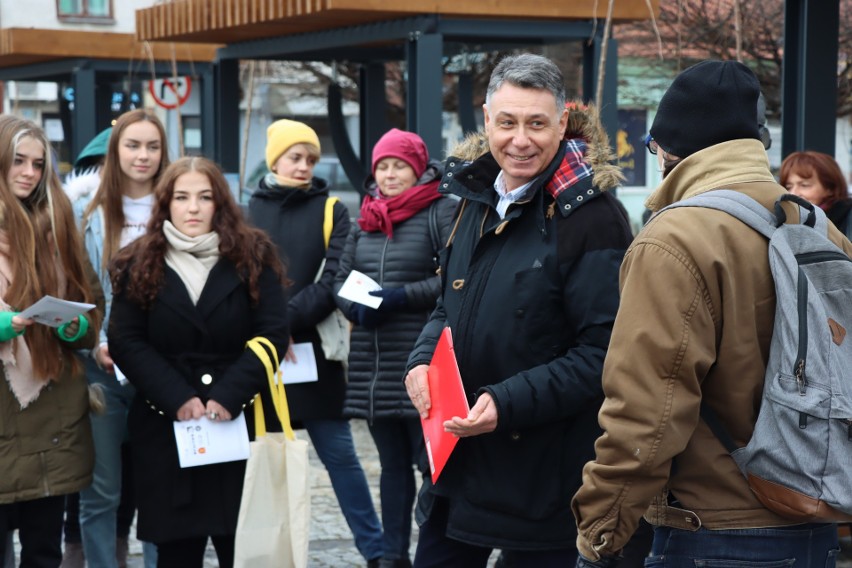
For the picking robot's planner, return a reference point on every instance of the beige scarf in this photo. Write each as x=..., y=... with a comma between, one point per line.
x=15, y=354
x=274, y=180
x=191, y=257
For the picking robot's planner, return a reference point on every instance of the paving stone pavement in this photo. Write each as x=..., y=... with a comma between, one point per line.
x=331, y=544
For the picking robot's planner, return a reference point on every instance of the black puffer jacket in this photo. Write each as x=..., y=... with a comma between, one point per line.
x=293, y=218
x=377, y=357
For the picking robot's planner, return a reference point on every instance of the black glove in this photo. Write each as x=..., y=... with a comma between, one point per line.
x=365, y=316
x=604, y=562
x=393, y=299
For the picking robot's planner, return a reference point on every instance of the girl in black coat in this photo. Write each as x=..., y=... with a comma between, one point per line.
x=187, y=297
x=290, y=206
x=403, y=223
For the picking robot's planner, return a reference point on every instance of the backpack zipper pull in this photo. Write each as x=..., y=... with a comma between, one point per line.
x=800, y=376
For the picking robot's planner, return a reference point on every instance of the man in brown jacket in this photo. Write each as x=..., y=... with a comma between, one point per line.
x=694, y=323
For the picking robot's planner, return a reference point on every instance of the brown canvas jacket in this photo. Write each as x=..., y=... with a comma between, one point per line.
x=695, y=320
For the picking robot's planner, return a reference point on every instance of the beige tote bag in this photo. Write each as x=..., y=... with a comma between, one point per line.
x=273, y=527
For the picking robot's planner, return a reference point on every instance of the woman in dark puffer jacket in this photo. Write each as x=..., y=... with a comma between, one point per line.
x=404, y=224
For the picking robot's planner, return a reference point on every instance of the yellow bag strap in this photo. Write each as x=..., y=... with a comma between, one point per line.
x=328, y=220
x=276, y=389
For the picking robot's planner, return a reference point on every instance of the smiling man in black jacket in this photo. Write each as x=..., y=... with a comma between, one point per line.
x=530, y=291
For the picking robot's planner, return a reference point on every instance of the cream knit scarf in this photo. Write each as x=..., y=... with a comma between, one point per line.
x=191, y=257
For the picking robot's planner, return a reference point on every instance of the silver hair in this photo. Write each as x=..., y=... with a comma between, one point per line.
x=528, y=71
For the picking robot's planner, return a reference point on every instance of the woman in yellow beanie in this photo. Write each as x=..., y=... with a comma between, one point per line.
x=289, y=205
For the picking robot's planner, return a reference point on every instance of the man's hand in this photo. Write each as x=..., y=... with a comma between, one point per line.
x=417, y=385
x=103, y=359
x=216, y=411
x=192, y=409
x=481, y=419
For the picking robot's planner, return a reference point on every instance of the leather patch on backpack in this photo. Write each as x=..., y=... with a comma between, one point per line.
x=838, y=332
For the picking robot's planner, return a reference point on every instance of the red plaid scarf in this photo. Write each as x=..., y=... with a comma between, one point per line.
x=572, y=169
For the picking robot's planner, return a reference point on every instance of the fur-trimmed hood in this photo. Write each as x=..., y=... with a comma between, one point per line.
x=584, y=123
x=79, y=184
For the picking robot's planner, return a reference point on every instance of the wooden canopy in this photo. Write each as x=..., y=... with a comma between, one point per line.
x=232, y=21
x=25, y=46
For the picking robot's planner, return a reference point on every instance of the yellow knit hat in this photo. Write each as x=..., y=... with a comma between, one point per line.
x=283, y=133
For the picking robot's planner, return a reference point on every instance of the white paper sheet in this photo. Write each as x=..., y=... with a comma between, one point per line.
x=55, y=312
x=205, y=442
x=304, y=370
x=357, y=288
x=119, y=376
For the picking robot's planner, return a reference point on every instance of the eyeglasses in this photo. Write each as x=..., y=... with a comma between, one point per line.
x=651, y=144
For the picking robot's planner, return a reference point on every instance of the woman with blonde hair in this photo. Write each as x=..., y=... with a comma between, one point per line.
x=188, y=296
x=45, y=434
x=293, y=207
x=116, y=215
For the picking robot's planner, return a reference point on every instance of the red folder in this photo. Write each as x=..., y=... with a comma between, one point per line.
x=448, y=400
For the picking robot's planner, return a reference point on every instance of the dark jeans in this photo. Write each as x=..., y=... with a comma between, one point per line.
x=802, y=546
x=71, y=527
x=39, y=524
x=436, y=550
x=189, y=552
x=401, y=449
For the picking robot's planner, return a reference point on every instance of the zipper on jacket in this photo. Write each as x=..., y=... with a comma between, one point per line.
x=848, y=423
x=44, y=474
x=802, y=309
x=822, y=256
x=372, y=391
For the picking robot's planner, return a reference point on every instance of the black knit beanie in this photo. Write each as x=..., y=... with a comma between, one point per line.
x=707, y=104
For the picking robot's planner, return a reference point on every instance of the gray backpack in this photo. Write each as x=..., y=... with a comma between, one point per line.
x=799, y=459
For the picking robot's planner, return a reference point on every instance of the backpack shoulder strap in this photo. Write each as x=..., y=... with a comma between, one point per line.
x=328, y=219
x=735, y=204
x=433, y=227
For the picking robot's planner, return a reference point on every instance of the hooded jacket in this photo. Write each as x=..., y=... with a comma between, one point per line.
x=530, y=300
x=695, y=323
x=293, y=218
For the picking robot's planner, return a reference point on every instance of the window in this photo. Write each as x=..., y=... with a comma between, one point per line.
x=84, y=10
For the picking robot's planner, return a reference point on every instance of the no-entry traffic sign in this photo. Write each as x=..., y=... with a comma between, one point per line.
x=170, y=93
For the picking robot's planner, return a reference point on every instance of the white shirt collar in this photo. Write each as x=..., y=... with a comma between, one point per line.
x=506, y=198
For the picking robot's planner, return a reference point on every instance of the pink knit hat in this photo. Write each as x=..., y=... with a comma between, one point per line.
x=407, y=146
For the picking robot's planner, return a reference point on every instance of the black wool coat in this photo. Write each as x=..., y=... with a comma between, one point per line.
x=293, y=218
x=165, y=351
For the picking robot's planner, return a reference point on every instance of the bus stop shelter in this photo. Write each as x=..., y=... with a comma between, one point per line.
x=419, y=32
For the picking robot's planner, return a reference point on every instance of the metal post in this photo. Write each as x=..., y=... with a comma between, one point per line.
x=424, y=89
x=208, y=112
x=809, y=89
x=373, y=109
x=227, y=115
x=84, y=125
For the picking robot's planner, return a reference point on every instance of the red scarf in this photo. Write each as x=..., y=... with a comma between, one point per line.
x=382, y=213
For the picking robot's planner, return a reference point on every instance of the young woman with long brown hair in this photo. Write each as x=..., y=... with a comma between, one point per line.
x=45, y=435
x=188, y=296
x=116, y=215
